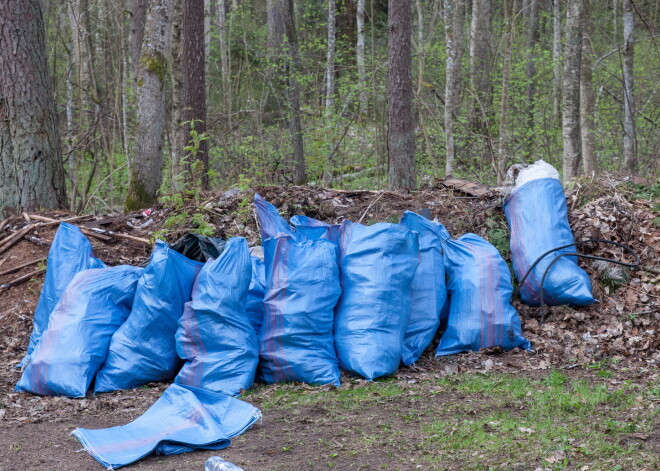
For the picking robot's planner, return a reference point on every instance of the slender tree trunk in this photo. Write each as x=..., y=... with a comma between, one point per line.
x=146, y=175
x=571, y=89
x=293, y=92
x=587, y=97
x=401, y=120
x=556, y=55
x=330, y=64
x=503, y=144
x=420, y=46
x=138, y=20
x=224, y=56
x=69, y=126
x=531, y=15
x=177, y=133
x=31, y=169
x=481, y=59
x=454, y=19
x=207, y=46
x=629, y=139
x=194, y=91
x=362, y=71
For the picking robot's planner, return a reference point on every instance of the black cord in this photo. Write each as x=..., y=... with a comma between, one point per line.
x=574, y=254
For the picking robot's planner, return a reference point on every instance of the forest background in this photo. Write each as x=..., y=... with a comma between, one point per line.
x=159, y=97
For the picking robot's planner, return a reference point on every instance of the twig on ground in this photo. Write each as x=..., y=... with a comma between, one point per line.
x=21, y=279
x=369, y=207
x=21, y=266
x=11, y=241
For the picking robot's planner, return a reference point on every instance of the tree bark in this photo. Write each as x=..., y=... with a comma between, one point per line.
x=503, y=143
x=194, y=92
x=177, y=133
x=330, y=63
x=138, y=20
x=629, y=140
x=531, y=15
x=556, y=55
x=571, y=89
x=362, y=72
x=224, y=55
x=31, y=169
x=481, y=59
x=401, y=122
x=454, y=19
x=146, y=175
x=587, y=97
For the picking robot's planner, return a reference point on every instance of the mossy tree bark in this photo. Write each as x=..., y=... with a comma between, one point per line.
x=147, y=169
x=31, y=169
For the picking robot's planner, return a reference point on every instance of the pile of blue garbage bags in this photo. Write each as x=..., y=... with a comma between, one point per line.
x=324, y=299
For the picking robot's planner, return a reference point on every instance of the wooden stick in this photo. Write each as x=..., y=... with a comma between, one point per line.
x=3, y=224
x=119, y=235
x=15, y=238
x=51, y=222
x=2, y=262
x=27, y=218
x=23, y=278
x=21, y=266
x=38, y=241
x=101, y=234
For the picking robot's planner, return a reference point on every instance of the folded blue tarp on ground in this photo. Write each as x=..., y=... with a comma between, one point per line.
x=183, y=419
x=75, y=344
x=428, y=289
x=144, y=348
x=302, y=280
x=215, y=335
x=255, y=298
x=480, y=312
x=377, y=267
x=70, y=253
x=537, y=216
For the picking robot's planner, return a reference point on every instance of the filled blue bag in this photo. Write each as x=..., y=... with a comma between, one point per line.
x=378, y=264
x=215, y=336
x=144, y=349
x=70, y=253
x=428, y=289
x=256, y=310
x=302, y=280
x=183, y=419
x=538, y=218
x=271, y=224
x=308, y=228
x=75, y=344
x=480, y=312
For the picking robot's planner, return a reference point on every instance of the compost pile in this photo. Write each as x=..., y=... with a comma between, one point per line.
x=621, y=330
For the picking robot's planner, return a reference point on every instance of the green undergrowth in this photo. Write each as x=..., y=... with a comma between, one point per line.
x=483, y=421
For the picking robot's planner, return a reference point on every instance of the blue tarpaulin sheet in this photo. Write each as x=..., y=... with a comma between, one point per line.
x=144, y=348
x=537, y=216
x=255, y=298
x=215, y=335
x=302, y=280
x=270, y=221
x=70, y=253
x=428, y=289
x=183, y=419
x=75, y=344
x=480, y=313
x=377, y=267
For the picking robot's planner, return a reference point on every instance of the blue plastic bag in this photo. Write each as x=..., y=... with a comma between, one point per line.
x=255, y=298
x=309, y=228
x=270, y=222
x=69, y=254
x=428, y=289
x=183, y=419
x=480, y=314
x=75, y=344
x=378, y=264
x=537, y=216
x=144, y=349
x=215, y=335
x=302, y=280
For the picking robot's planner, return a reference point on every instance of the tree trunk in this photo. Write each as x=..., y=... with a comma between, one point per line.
x=138, y=19
x=31, y=169
x=362, y=72
x=330, y=64
x=146, y=175
x=194, y=93
x=587, y=97
x=454, y=18
x=503, y=144
x=571, y=89
x=293, y=92
x=531, y=15
x=556, y=55
x=629, y=140
x=481, y=59
x=177, y=133
x=224, y=55
x=401, y=122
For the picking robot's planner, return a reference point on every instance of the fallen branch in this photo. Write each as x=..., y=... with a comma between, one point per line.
x=2, y=262
x=101, y=234
x=21, y=266
x=119, y=235
x=51, y=222
x=11, y=241
x=21, y=279
x=90, y=233
x=38, y=241
x=3, y=224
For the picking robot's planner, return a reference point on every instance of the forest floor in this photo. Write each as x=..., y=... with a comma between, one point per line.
x=586, y=398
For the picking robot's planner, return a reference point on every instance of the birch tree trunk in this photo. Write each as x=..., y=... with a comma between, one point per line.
x=361, y=68
x=454, y=19
x=146, y=175
x=503, y=143
x=401, y=121
x=330, y=64
x=556, y=55
x=587, y=97
x=31, y=169
x=629, y=140
x=571, y=89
